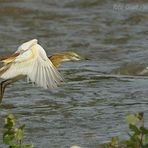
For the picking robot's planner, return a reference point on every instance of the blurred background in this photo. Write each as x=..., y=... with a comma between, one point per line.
x=99, y=92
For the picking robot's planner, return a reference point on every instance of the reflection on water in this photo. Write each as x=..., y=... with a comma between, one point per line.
x=91, y=107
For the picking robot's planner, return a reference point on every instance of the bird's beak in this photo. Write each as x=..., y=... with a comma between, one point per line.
x=79, y=58
x=82, y=58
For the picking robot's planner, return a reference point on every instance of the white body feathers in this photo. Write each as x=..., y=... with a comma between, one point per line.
x=34, y=63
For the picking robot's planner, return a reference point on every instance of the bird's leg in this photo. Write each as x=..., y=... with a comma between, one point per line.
x=2, y=89
x=4, y=83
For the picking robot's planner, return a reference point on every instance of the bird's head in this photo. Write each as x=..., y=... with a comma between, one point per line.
x=58, y=58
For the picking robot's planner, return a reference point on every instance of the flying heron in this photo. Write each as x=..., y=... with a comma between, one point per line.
x=30, y=60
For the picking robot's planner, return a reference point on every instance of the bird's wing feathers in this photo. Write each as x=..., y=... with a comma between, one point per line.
x=35, y=64
x=9, y=59
x=27, y=45
x=21, y=65
x=20, y=53
x=44, y=74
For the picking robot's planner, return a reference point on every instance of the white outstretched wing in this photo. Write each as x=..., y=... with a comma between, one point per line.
x=19, y=53
x=27, y=45
x=35, y=64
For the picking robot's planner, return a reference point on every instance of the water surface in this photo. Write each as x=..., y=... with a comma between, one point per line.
x=91, y=107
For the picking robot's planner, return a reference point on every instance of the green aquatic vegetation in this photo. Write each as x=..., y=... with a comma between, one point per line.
x=114, y=143
x=138, y=135
x=14, y=136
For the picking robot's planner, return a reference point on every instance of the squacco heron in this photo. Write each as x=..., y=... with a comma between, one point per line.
x=30, y=60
